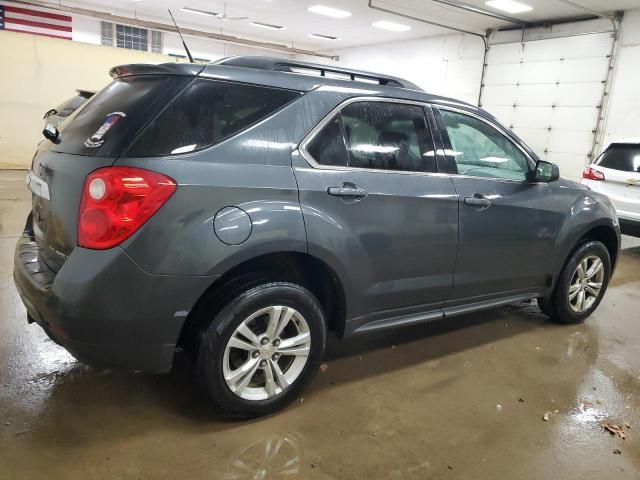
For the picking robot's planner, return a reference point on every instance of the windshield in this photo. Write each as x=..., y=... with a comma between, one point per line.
x=621, y=157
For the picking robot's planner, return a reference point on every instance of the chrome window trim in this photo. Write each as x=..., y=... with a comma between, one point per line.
x=530, y=161
x=302, y=148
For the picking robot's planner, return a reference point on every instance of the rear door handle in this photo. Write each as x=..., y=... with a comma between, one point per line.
x=478, y=200
x=347, y=191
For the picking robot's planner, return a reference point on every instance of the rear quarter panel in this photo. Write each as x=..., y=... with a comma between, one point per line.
x=251, y=171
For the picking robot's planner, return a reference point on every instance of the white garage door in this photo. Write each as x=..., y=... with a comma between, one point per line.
x=549, y=92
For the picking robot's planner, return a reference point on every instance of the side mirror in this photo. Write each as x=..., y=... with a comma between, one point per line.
x=51, y=133
x=544, y=172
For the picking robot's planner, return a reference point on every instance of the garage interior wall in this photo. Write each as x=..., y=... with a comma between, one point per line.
x=549, y=91
x=40, y=72
x=449, y=65
x=622, y=116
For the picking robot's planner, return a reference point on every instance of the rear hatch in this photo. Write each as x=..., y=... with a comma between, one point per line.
x=93, y=137
x=620, y=164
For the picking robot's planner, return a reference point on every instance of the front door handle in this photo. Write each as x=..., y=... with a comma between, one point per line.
x=351, y=191
x=478, y=200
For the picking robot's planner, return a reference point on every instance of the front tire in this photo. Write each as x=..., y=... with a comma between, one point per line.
x=262, y=349
x=581, y=285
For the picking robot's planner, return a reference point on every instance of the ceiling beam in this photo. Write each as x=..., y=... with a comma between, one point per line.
x=165, y=27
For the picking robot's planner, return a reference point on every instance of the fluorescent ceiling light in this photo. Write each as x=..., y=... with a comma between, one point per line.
x=270, y=26
x=510, y=6
x=199, y=12
x=394, y=27
x=330, y=12
x=323, y=37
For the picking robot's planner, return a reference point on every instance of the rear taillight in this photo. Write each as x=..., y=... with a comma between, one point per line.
x=117, y=201
x=592, y=174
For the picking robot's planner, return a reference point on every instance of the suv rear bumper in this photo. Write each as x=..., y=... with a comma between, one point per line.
x=104, y=309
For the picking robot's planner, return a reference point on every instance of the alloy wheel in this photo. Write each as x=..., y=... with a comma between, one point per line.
x=586, y=284
x=266, y=353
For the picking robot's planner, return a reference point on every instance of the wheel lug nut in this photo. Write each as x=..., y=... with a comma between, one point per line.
x=276, y=342
x=276, y=356
x=255, y=354
x=264, y=341
x=263, y=363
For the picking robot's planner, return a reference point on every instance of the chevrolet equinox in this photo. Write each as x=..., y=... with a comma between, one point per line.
x=240, y=210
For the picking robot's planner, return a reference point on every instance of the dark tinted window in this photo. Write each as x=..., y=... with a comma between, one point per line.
x=328, y=146
x=621, y=157
x=206, y=113
x=388, y=136
x=109, y=121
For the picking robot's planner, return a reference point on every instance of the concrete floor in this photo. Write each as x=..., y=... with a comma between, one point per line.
x=463, y=399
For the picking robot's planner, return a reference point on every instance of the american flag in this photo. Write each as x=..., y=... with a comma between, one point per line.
x=36, y=22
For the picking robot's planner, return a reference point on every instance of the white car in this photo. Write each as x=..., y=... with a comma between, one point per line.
x=616, y=173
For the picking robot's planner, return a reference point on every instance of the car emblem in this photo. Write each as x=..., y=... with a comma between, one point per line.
x=111, y=120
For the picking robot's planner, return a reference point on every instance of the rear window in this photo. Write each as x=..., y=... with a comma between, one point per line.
x=206, y=113
x=621, y=157
x=110, y=120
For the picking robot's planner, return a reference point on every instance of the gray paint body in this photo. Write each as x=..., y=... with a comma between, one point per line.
x=409, y=251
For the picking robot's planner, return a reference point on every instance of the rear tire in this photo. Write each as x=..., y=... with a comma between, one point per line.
x=581, y=285
x=262, y=349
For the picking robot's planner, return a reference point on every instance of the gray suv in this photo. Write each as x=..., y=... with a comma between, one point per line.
x=243, y=209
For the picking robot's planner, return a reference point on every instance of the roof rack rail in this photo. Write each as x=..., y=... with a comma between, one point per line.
x=295, y=66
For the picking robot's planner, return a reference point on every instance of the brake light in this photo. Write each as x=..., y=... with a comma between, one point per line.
x=117, y=201
x=592, y=174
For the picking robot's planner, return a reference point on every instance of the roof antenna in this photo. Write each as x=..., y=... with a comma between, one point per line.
x=181, y=38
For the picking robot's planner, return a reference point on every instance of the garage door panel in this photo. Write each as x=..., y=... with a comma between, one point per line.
x=579, y=94
x=595, y=45
x=536, y=138
x=540, y=95
x=502, y=74
x=570, y=141
x=504, y=114
x=499, y=95
x=531, y=117
x=560, y=83
x=583, y=70
x=507, y=53
x=571, y=165
x=575, y=118
x=540, y=72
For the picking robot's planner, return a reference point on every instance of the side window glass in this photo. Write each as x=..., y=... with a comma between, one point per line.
x=388, y=136
x=482, y=151
x=206, y=113
x=327, y=148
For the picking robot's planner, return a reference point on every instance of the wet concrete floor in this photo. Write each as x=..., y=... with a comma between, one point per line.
x=462, y=399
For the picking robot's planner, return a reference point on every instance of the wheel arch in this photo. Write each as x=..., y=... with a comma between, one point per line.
x=296, y=267
x=608, y=236
x=603, y=232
